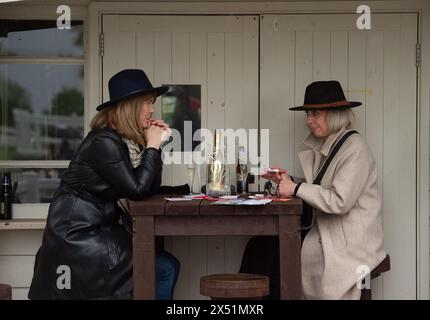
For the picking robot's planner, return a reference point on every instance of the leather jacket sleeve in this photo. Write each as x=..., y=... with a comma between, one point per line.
x=155, y=188
x=111, y=163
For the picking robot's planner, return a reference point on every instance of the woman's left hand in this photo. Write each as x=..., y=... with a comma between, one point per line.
x=286, y=187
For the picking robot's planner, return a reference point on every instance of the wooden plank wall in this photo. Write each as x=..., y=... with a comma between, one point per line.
x=17, y=251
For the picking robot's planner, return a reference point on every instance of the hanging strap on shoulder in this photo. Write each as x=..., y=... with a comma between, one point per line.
x=307, y=209
x=331, y=156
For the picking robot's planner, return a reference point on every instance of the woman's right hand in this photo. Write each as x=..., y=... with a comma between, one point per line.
x=276, y=177
x=154, y=135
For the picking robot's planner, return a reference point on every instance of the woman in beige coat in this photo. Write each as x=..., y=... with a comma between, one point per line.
x=346, y=237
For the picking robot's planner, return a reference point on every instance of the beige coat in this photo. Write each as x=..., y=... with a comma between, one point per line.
x=348, y=227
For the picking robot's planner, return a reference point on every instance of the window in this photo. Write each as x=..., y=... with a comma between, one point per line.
x=42, y=103
x=181, y=110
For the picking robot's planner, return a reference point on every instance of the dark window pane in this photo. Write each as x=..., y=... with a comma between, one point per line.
x=181, y=109
x=42, y=111
x=40, y=38
x=34, y=185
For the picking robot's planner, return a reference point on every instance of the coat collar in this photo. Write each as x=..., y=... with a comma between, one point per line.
x=321, y=145
x=307, y=157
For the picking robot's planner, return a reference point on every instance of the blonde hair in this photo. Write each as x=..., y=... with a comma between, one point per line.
x=123, y=117
x=337, y=119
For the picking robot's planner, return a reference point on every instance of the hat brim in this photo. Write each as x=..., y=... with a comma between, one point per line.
x=158, y=91
x=351, y=104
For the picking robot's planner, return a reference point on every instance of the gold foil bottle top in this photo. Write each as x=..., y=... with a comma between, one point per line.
x=218, y=139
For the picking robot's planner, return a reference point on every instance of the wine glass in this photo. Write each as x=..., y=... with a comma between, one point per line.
x=191, y=170
x=243, y=168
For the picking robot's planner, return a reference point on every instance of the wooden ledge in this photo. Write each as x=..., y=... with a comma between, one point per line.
x=23, y=224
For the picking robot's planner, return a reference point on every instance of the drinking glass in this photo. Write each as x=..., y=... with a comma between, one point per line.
x=191, y=171
x=243, y=168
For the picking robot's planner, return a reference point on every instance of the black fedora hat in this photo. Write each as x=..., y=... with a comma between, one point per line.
x=325, y=95
x=127, y=83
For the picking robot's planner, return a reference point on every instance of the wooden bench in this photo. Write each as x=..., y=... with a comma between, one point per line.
x=384, y=266
x=234, y=286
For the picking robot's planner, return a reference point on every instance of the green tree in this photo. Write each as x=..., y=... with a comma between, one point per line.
x=17, y=98
x=67, y=102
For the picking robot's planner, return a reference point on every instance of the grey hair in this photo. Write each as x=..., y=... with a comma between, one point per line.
x=337, y=119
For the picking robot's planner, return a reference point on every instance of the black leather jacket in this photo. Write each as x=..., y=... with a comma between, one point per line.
x=83, y=232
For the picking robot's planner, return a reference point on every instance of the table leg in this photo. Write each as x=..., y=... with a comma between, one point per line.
x=290, y=257
x=143, y=258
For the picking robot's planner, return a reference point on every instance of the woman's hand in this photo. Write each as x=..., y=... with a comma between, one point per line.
x=272, y=176
x=154, y=136
x=159, y=123
x=286, y=187
x=166, y=134
x=276, y=177
x=156, y=133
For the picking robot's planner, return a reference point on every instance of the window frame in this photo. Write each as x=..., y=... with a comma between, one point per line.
x=20, y=11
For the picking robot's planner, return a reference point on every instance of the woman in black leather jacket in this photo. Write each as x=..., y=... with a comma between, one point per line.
x=86, y=252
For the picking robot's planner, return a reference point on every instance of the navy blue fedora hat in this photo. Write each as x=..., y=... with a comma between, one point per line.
x=127, y=83
x=325, y=95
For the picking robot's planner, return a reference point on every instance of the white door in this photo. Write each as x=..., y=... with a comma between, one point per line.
x=376, y=67
x=220, y=53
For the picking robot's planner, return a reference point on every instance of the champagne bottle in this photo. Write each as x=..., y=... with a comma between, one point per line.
x=217, y=182
x=6, y=197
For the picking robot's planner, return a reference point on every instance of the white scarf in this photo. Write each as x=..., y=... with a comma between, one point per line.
x=135, y=159
x=134, y=152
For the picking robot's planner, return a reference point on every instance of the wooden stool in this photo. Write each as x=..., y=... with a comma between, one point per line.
x=5, y=292
x=234, y=286
x=366, y=294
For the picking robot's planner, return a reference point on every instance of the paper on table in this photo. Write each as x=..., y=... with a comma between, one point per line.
x=229, y=197
x=242, y=202
x=229, y=201
x=178, y=199
x=194, y=196
x=254, y=202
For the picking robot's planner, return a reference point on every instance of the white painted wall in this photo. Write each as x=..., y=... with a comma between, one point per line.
x=17, y=251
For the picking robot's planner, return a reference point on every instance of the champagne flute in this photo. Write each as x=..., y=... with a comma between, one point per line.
x=244, y=174
x=191, y=170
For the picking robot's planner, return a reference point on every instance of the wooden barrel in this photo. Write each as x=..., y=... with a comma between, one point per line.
x=234, y=286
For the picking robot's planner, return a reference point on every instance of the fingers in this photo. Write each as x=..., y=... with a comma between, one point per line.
x=166, y=134
x=283, y=176
x=159, y=123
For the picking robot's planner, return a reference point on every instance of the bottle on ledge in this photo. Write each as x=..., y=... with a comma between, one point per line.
x=6, y=197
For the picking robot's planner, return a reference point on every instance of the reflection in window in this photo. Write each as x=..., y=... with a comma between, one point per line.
x=41, y=102
x=35, y=185
x=40, y=38
x=42, y=108
x=183, y=103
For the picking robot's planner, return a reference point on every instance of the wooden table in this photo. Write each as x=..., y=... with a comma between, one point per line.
x=158, y=217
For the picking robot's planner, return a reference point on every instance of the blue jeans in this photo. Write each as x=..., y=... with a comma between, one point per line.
x=166, y=272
